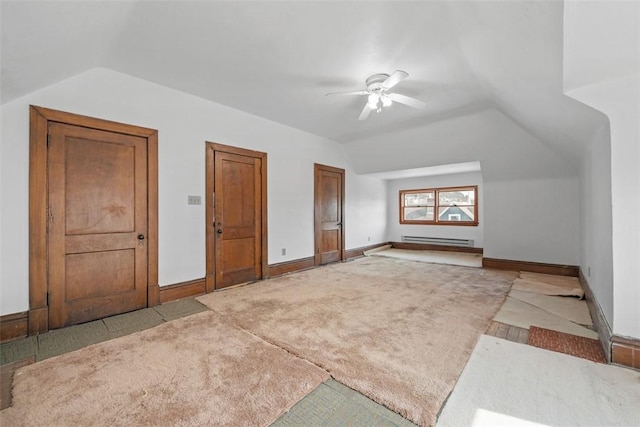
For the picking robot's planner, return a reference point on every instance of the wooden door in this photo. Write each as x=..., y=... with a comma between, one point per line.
x=329, y=214
x=239, y=213
x=97, y=223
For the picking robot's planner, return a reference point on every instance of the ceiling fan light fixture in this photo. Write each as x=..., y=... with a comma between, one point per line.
x=379, y=94
x=373, y=101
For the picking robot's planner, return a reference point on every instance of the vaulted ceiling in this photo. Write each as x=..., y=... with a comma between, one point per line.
x=278, y=59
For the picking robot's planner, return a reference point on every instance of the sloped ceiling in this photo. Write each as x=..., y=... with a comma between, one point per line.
x=278, y=59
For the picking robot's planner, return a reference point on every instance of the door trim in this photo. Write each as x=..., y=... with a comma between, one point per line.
x=317, y=229
x=211, y=148
x=39, y=118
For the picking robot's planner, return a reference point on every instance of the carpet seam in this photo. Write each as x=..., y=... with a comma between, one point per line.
x=242, y=328
x=263, y=339
x=504, y=280
x=323, y=369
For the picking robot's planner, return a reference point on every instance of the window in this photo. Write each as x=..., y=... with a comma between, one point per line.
x=440, y=206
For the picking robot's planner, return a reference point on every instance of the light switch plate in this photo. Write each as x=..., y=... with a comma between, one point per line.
x=193, y=200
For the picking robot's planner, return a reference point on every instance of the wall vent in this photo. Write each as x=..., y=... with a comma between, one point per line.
x=438, y=241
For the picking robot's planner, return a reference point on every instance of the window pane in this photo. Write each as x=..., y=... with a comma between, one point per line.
x=419, y=214
x=419, y=199
x=463, y=197
x=456, y=213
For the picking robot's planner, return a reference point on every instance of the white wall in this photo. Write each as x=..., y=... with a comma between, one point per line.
x=531, y=205
x=397, y=230
x=596, y=256
x=602, y=70
x=184, y=123
x=620, y=100
x=533, y=220
x=365, y=210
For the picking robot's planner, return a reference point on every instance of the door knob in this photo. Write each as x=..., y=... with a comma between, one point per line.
x=140, y=236
x=219, y=231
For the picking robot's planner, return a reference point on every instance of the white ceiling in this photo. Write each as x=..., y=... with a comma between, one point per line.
x=278, y=59
x=429, y=171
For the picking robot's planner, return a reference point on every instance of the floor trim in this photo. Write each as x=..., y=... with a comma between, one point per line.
x=286, y=267
x=359, y=252
x=182, y=290
x=533, y=267
x=625, y=351
x=14, y=326
x=597, y=315
x=430, y=247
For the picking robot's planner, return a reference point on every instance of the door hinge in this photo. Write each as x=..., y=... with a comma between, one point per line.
x=48, y=139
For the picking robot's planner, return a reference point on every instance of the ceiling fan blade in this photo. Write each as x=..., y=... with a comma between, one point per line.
x=406, y=100
x=357, y=92
x=365, y=112
x=394, y=79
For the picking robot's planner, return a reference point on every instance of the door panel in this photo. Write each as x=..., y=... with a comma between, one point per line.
x=97, y=252
x=237, y=219
x=99, y=187
x=80, y=271
x=329, y=201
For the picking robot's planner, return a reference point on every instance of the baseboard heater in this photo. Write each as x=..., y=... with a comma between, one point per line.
x=438, y=241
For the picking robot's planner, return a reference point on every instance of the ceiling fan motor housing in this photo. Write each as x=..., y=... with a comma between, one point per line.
x=374, y=83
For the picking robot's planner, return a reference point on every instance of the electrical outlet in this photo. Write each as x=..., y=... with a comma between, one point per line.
x=284, y=251
x=194, y=200
x=368, y=239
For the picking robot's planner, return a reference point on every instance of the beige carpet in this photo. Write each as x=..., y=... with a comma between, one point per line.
x=437, y=257
x=398, y=331
x=199, y=370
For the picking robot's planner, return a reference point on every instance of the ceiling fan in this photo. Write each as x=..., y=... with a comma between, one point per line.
x=378, y=87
